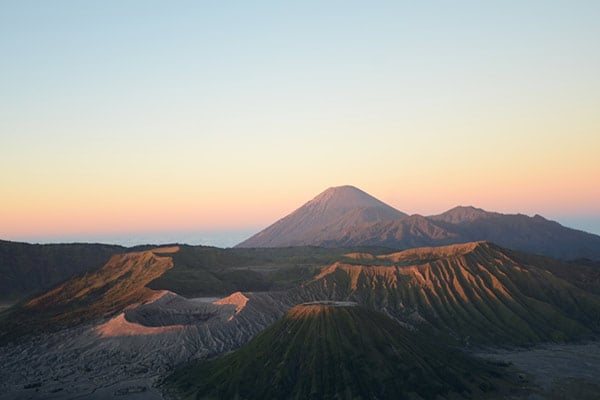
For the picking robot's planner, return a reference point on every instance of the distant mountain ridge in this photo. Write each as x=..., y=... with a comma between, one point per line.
x=332, y=220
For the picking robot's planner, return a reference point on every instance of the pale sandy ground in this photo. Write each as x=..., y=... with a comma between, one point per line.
x=557, y=371
x=4, y=306
x=135, y=389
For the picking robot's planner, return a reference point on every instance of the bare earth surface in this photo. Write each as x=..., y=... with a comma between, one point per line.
x=556, y=371
x=123, y=357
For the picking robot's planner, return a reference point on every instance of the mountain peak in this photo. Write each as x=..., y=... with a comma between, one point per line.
x=336, y=190
x=348, y=197
x=461, y=214
x=325, y=218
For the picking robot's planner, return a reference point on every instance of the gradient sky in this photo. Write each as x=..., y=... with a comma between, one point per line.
x=125, y=118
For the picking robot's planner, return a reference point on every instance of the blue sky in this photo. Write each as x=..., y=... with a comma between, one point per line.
x=119, y=117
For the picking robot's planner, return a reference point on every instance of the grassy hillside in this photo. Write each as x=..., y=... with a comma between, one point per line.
x=337, y=352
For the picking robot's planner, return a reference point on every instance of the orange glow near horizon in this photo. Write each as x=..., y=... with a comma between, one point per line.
x=145, y=125
x=156, y=210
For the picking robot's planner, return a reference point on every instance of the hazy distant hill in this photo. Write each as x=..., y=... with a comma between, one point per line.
x=317, y=223
x=337, y=351
x=324, y=218
x=30, y=268
x=535, y=234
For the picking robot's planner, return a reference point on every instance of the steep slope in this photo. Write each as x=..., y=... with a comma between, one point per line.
x=118, y=284
x=336, y=350
x=26, y=269
x=403, y=233
x=462, y=214
x=324, y=218
x=476, y=292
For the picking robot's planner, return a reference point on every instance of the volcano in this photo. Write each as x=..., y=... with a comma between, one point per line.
x=348, y=217
x=330, y=350
x=325, y=218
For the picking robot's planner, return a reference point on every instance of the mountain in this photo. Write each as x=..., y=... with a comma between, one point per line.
x=26, y=269
x=535, y=234
x=331, y=350
x=460, y=214
x=114, y=328
x=324, y=218
x=119, y=283
x=346, y=216
x=403, y=233
x=477, y=293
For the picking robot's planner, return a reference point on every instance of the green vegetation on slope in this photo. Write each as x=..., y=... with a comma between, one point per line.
x=336, y=352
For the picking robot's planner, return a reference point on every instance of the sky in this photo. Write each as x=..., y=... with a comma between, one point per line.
x=129, y=120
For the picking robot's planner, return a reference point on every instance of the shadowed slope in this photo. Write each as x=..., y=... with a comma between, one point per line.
x=325, y=217
x=326, y=351
x=475, y=291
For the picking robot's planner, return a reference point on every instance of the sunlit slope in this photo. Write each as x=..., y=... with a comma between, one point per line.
x=118, y=284
x=475, y=292
x=327, y=351
x=324, y=218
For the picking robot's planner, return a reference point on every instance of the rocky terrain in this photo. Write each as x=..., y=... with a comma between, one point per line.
x=137, y=345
